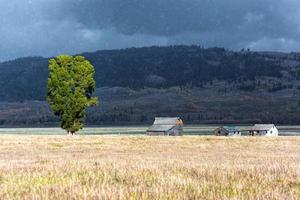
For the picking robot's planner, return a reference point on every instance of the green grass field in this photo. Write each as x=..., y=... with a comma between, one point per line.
x=129, y=130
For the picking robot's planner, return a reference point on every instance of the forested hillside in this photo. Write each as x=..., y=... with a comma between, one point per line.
x=160, y=67
x=137, y=84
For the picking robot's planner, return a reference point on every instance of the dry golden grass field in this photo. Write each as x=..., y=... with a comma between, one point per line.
x=140, y=167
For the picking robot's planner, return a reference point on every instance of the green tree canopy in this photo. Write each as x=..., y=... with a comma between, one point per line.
x=70, y=87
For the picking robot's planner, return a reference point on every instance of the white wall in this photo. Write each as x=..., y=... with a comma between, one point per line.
x=272, y=132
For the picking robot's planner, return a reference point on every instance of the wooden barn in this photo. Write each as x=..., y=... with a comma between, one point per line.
x=227, y=131
x=263, y=130
x=166, y=126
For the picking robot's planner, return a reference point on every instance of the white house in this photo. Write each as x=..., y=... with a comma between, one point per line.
x=263, y=130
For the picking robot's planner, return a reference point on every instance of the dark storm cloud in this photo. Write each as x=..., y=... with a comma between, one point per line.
x=172, y=17
x=50, y=27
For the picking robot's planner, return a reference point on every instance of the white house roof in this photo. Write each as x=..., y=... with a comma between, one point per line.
x=262, y=127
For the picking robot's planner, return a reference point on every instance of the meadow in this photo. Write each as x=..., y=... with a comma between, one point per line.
x=137, y=130
x=141, y=167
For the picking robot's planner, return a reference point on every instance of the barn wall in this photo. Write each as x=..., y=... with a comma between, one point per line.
x=176, y=131
x=151, y=133
x=222, y=132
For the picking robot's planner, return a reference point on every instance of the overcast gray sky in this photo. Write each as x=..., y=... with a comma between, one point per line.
x=51, y=27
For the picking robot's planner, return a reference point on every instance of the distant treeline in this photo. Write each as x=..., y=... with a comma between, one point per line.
x=158, y=67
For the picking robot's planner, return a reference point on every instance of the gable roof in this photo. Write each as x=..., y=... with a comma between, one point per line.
x=221, y=128
x=164, y=124
x=262, y=127
x=160, y=128
x=228, y=129
x=166, y=120
x=231, y=128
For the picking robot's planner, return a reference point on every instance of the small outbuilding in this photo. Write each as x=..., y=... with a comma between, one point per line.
x=263, y=130
x=166, y=126
x=227, y=131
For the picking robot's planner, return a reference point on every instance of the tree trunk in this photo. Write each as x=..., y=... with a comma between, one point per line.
x=71, y=133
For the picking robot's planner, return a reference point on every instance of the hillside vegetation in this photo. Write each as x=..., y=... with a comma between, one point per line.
x=134, y=85
x=157, y=67
x=139, y=167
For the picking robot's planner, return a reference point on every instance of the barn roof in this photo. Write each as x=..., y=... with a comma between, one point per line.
x=160, y=128
x=262, y=127
x=229, y=129
x=163, y=124
x=166, y=120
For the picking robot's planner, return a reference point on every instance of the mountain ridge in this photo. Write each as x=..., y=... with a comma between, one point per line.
x=157, y=67
x=135, y=85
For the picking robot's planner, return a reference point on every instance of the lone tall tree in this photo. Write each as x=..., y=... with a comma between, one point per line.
x=70, y=87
